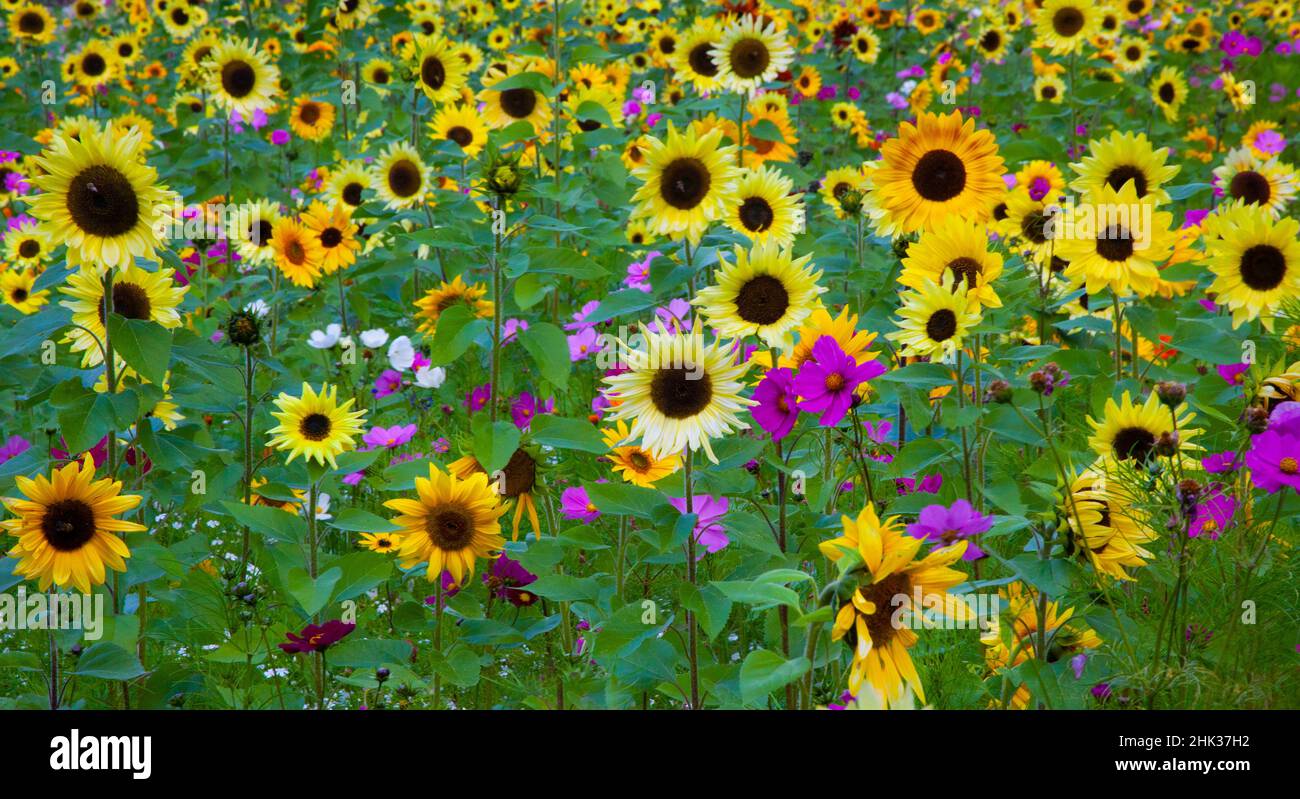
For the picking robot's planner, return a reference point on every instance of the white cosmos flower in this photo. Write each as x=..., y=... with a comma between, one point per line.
x=374, y=339
x=323, y=340
x=258, y=308
x=401, y=354
x=427, y=377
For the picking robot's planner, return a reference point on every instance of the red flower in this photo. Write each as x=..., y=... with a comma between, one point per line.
x=317, y=637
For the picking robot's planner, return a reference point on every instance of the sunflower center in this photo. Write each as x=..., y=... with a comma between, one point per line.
x=1288, y=465
x=68, y=525
x=588, y=125
x=295, y=252
x=1263, y=267
x=331, y=237
x=1135, y=443
x=639, y=461
x=680, y=393
x=315, y=427
x=667, y=45
x=685, y=183
x=939, y=175
x=1166, y=92
x=31, y=23
x=1133, y=53
x=130, y=301
x=749, y=58
x=261, y=233
x=29, y=249
x=991, y=40
x=520, y=474
x=93, y=65
x=380, y=76
x=941, y=325
x=701, y=61
x=1115, y=244
x=1034, y=227
x=404, y=178
x=518, y=103
x=461, y=135
x=763, y=300
x=756, y=215
x=310, y=114
x=352, y=194
x=19, y=295
x=102, y=201
x=964, y=268
x=238, y=79
x=1250, y=186
x=1123, y=174
x=1067, y=21
x=881, y=594
x=450, y=528
x=433, y=73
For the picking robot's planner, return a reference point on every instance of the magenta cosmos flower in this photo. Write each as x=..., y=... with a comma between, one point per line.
x=827, y=382
x=709, y=532
x=778, y=406
x=947, y=526
x=1272, y=461
x=575, y=504
x=389, y=437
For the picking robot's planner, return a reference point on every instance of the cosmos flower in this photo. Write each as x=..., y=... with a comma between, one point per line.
x=828, y=381
x=709, y=512
x=778, y=404
x=317, y=637
x=575, y=504
x=947, y=525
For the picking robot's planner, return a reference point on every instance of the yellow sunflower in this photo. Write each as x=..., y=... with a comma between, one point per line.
x=1114, y=239
x=314, y=425
x=460, y=124
x=766, y=208
x=436, y=300
x=1064, y=25
x=934, y=319
x=335, y=232
x=1129, y=432
x=30, y=22
x=750, y=52
x=1256, y=266
x=508, y=97
x=688, y=182
x=637, y=466
x=241, y=77
x=25, y=245
x=960, y=249
x=1108, y=524
x=298, y=253
x=439, y=72
x=450, y=524
x=1265, y=182
x=137, y=294
x=765, y=292
x=311, y=119
x=1120, y=158
x=400, y=177
x=16, y=287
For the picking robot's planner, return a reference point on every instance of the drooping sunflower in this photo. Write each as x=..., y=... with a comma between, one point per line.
x=439, y=72
x=450, y=524
x=1108, y=524
x=65, y=526
x=1129, y=432
x=460, y=124
x=934, y=319
x=637, y=466
x=400, y=176
x=436, y=300
x=336, y=233
x=311, y=119
x=889, y=578
x=297, y=252
x=314, y=425
x=507, y=103
x=688, y=182
x=25, y=245
x=1265, y=182
x=1114, y=239
x=1065, y=25
x=960, y=249
x=16, y=289
x=1120, y=158
x=939, y=166
x=30, y=22
x=679, y=392
x=766, y=209
x=694, y=61
x=1256, y=266
x=137, y=294
x=516, y=481
x=241, y=78
x=100, y=198
x=765, y=292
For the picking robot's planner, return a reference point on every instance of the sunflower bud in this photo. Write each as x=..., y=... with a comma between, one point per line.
x=243, y=329
x=1167, y=444
x=850, y=202
x=1171, y=393
x=1255, y=419
x=999, y=392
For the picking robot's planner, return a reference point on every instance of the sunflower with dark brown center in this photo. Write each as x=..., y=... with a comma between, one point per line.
x=766, y=292
x=449, y=524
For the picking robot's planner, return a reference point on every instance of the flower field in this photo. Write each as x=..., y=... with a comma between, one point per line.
x=772, y=354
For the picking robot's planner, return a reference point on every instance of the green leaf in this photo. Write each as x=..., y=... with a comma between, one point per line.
x=764, y=672
x=312, y=594
x=549, y=349
x=360, y=521
x=620, y=499
x=274, y=523
x=494, y=443
x=562, y=432
x=368, y=653
x=145, y=346
x=752, y=592
x=108, y=661
x=457, y=329
x=766, y=130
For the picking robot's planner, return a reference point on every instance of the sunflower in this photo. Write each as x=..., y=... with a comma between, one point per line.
x=439, y=72
x=837, y=185
x=637, y=466
x=512, y=102
x=384, y=543
x=809, y=82
x=400, y=177
x=516, y=480
x=457, y=292
x=1123, y=157
x=1107, y=524
x=939, y=166
x=991, y=43
x=95, y=66
x=180, y=19
x=865, y=46
x=1010, y=644
x=1049, y=89
x=1042, y=180
x=960, y=249
x=297, y=252
x=377, y=72
x=688, y=182
x=1114, y=239
x=449, y=524
x=127, y=48
x=761, y=149
x=350, y=14
x=766, y=209
x=311, y=119
x=889, y=574
x=679, y=392
x=241, y=78
x=694, y=60
x=16, y=290
x=1132, y=55
x=1265, y=182
x=766, y=292
x=314, y=425
x=934, y=319
x=460, y=124
x=254, y=238
x=25, y=244
x=1064, y=25
x=1130, y=432
x=65, y=526
x=336, y=233
x=137, y=294
x=1256, y=266
x=927, y=21
x=349, y=183
x=30, y=22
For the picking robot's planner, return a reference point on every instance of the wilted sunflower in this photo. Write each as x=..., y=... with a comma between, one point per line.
x=1130, y=432
x=335, y=232
x=449, y=524
x=1064, y=25
x=507, y=98
x=939, y=166
x=460, y=124
x=1114, y=239
x=1120, y=158
x=100, y=199
x=66, y=530
x=678, y=392
x=688, y=182
x=636, y=465
x=960, y=249
x=400, y=177
x=890, y=578
x=765, y=292
x=1256, y=266
x=241, y=78
x=934, y=319
x=16, y=288
x=314, y=425
x=30, y=22
x=311, y=119
x=435, y=301
x=297, y=252
x=137, y=294
x=1265, y=182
